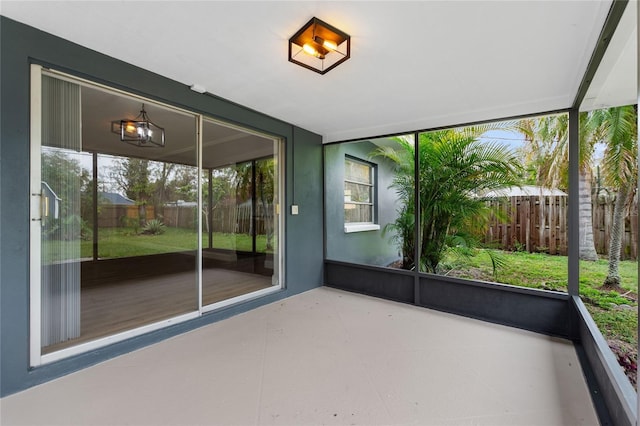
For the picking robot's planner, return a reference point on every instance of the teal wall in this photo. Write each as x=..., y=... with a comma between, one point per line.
x=366, y=247
x=21, y=45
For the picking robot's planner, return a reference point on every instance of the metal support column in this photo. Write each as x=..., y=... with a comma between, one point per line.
x=573, y=231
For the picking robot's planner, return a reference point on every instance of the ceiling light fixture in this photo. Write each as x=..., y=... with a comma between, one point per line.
x=319, y=46
x=140, y=131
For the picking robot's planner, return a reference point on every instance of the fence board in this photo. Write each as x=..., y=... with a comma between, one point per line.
x=539, y=224
x=227, y=219
x=541, y=219
x=552, y=235
x=563, y=211
x=116, y=215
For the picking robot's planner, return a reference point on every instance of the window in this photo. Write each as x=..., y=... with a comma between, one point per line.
x=359, y=239
x=359, y=195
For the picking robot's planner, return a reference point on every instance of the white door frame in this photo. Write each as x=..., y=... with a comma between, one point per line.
x=36, y=358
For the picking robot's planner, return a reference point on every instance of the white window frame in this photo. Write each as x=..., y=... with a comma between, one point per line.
x=350, y=227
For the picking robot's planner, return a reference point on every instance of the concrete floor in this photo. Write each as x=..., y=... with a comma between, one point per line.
x=325, y=357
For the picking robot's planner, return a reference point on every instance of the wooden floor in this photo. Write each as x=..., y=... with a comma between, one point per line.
x=111, y=308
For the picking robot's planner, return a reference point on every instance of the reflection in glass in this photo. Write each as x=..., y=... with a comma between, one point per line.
x=145, y=198
x=240, y=220
x=120, y=223
x=243, y=207
x=62, y=234
x=119, y=228
x=266, y=196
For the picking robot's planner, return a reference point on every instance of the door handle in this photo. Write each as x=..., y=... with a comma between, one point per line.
x=37, y=194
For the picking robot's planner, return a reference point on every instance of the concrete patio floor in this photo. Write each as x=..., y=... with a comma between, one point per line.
x=325, y=357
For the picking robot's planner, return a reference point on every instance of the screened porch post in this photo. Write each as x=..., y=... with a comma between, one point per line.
x=573, y=249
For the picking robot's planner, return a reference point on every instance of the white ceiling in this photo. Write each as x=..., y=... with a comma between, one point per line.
x=222, y=145
x=414, y=65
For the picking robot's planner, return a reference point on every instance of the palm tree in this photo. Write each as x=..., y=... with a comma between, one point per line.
x=455, y=169
x=547, y=151
x=265, y=193
x=619, y=130
x=402, y=229
x=263, y=189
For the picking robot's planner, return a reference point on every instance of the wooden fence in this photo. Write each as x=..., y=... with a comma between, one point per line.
x=530, y=223
x=178, y=216
x=227, y=219
x=539, y=224
x=116, y=215
x=237, y=219
x=602, y=209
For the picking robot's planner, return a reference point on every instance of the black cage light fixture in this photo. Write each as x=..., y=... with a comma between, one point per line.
x=140, y=131
x=319, y=46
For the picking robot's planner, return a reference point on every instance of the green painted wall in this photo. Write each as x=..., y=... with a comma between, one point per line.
x=367, y=247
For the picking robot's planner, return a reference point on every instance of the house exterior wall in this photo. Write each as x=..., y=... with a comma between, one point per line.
x=21, y=45
x=368, y=247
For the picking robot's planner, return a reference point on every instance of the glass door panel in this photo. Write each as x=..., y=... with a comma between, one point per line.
x=240, y=224
x=119, y=220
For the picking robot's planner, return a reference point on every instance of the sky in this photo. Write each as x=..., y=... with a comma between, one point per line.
x=512, y=139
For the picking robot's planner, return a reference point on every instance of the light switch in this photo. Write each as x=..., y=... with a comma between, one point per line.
x=294, y=209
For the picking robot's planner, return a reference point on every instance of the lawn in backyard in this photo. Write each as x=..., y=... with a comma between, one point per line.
x=126, y=242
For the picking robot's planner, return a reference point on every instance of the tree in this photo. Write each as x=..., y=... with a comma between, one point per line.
x=547, y=152
x=132, y=176
x=68, y=180
x=619, y=131
x=455, y=170
x=162, y=174
x=265, y=192
x=184, y=184
x=263, y=189
x=402, y=229
x=221, y=190
x=65, y=176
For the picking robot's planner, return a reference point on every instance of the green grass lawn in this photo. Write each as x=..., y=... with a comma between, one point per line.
x=538, y=270
x=125, y=242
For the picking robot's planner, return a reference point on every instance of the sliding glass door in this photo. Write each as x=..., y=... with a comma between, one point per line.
x=133, y=230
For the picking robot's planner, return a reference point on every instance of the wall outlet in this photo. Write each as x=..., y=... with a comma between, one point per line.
x=294, y=209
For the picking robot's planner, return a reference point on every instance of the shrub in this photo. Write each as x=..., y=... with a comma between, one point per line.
x=154, y=227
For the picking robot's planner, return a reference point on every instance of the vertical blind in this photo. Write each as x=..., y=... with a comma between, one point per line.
x=61, y=221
